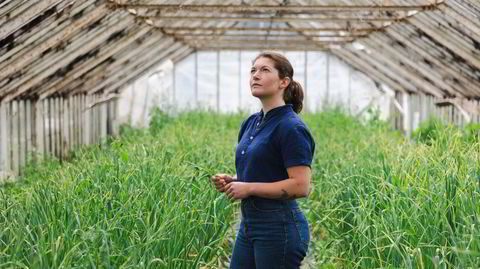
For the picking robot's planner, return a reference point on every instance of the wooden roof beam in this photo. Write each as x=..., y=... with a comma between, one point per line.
x=445, y=39
x=84, y=67
x=398, y=32
x=269, y=8
x=134, y=68
x=80, y=46
x=15, y=23
x=284, y=35
x=401, y=69
x=275, y=19
x=262, y=47
x=371, y=60
x=122, y=62
x=363, y=30
x=139, y=72
x=382, y=44
x=54, y=40
x=369, y=70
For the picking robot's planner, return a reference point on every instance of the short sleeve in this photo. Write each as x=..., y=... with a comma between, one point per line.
x=297, y=146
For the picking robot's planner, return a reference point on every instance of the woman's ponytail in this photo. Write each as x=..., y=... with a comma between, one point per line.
x=293, y=94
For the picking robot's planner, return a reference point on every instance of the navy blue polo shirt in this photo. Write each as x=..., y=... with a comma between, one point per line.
x=268, y=145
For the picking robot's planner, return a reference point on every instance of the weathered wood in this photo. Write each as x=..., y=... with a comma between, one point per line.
x=270, y=8
x=14, y=137
x=29, y=129
x=48, y=128
x=21, y=134
x=53, y=131
x=4, y=133
x=334, y=18
x=39, y=130
x=65, y=126
x=53, y=41
x=30, y=13
x=87, y=121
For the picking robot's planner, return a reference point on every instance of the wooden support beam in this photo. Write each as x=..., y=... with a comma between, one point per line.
x=170, y=53
x=14, y=135
x=13, y=24
x=435, y=84
x=30, y=40
x=374, y=69
x=53, y=41
x=333, y=36
x=102, y=76
x=4, y=136
x=47, y=127
x=399, y=34
x=446, y=40
x=400, y=69
x=85, y=45
x=262, y=47
x=363, y=30
x=150, y=54
x=103, y=121
x=263, y=42
x=39, y=130
x=29, y=129
x=269, y=8
x=354, y=19
x=21, y=134
x=87, y=120
x=83, y=68
x=66, y=139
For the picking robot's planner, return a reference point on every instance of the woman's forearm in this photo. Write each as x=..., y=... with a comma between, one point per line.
x=290, y=188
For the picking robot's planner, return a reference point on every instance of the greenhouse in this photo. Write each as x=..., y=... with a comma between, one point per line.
x=204, y=134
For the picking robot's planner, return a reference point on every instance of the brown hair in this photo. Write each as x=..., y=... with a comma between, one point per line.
x=293, y=94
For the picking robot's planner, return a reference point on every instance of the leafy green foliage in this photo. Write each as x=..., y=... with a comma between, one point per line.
x=144, y=200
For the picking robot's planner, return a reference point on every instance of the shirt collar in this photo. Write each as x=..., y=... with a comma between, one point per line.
x=276, y=110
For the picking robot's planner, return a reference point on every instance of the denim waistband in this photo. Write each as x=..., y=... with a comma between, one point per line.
x=270, y=203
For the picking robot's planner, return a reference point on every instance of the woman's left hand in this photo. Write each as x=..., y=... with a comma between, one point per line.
x=237, y=190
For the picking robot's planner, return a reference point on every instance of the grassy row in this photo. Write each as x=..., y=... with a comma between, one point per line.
x=380, y=201
x=145, y=200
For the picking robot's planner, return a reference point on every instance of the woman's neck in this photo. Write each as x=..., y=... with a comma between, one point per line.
x=271, y=103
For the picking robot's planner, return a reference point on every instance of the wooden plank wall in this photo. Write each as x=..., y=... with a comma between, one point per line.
x=51, y=127
x=422, y=107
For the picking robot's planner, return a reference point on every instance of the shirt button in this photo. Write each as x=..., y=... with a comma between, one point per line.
x=243, y=152
x=251, y=137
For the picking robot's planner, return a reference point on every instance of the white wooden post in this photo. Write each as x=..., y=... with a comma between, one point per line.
x=14, y=138
x=39, y=130
x=28, y=129
x=115, y=129
x=103, y=121
x=86, y=120
x=4, y=132
x=66, y=126
x=21, y=134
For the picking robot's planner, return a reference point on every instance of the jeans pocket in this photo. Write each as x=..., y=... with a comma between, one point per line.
x=302, y=227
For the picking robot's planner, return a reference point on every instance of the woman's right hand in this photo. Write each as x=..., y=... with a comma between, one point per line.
x=221, y=180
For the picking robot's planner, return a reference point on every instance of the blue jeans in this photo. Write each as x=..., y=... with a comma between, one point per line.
x=272, y=234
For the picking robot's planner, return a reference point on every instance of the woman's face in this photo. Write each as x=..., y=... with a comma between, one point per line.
x=264, y=79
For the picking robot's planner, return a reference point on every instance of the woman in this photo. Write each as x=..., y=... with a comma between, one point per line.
x=273, y=163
